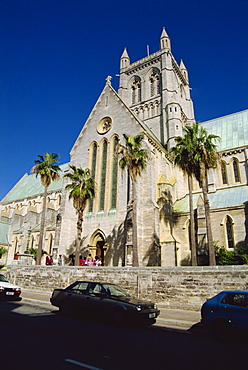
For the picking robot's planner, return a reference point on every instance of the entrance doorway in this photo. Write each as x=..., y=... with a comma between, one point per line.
x=98, y=241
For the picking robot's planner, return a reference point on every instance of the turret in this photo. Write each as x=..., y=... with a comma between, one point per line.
x=125, y=60
x=165, y=41
x=184, y=71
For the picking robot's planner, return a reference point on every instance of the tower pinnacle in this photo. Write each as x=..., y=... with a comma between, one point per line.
x=164, y=40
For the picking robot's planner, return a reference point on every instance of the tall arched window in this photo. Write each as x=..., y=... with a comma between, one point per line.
x=223, y=173
x=93, y=170
x=114, y=175
x=136, y=90
x=154, y=83
x=103, y=175
x=229, y=232
x=236, y=171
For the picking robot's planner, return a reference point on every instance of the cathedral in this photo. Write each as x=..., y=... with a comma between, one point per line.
x=153, y=98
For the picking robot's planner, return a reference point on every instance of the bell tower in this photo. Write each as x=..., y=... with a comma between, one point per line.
x=157, y=89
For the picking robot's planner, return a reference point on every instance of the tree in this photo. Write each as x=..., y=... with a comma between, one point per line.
x=182, y=154
x=134, y=158
x=47, y=168
x=82, y=188
x=204, y=156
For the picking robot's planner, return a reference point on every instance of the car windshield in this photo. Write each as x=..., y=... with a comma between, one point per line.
x=3, y=278
x=115, y=290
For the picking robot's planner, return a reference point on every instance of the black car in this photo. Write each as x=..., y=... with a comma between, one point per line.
x=108, y=299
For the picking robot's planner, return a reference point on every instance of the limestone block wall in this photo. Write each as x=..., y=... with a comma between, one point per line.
x=174, y=287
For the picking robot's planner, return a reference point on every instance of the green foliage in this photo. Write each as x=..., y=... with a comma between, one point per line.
x=34, y=252
x=225, y=257
x=2, y=251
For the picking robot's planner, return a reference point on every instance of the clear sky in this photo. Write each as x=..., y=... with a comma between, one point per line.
x=56, y=54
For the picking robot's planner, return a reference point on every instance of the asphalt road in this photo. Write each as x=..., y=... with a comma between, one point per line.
x=34, y=336
x=171, y=318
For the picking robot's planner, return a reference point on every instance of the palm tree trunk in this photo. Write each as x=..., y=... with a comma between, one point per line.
x=135, y=230
x=192, y=224
x=79, y=234
x=211, y=253
x=42, y=228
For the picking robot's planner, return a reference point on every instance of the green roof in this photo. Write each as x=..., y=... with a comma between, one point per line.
x=222, y=198
x=4, y=227
x=30, y=186
x=232, y=129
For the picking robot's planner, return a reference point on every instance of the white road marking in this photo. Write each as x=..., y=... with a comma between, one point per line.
x=82, y=364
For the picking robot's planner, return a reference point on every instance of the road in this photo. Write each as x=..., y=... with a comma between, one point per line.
x=34, y=336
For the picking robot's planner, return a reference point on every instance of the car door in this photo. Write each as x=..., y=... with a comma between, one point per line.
x=235, y=306
x=97, y=298
x=77, y=295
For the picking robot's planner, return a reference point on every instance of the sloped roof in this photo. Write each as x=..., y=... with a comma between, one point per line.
x=4, y=227
x=222, y=198
x=30, y=186
x=232, y=129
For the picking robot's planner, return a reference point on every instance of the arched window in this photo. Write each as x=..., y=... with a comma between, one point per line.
x=236, y=171
x=103, y=175
x=93, y=169
x=114, y=175
x=50, y=245
x=229, y=232
x=223, y=173
x=136, y=90
x=154, y=83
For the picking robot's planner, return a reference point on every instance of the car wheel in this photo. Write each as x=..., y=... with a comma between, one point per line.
x=118, y=316
x=222, y=329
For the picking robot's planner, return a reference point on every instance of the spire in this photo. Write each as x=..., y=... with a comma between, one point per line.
x=164, y=40
x=125, y=60
x=184, y=71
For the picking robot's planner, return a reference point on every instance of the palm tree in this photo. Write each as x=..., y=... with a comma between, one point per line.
x=182, y=154
x=82, y=188
x=202, y=155
x=205, y=157
x=134, y=158
x=47, y=168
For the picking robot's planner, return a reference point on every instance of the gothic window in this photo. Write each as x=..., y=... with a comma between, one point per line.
x=114, y=175
x=154, y=83
x=103, y=175
x=223, y=173
x=136, y=90
x=229, y=232
x=93, y=170
x=236, y=171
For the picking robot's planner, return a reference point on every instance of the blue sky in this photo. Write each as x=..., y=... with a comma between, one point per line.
x=56, y=54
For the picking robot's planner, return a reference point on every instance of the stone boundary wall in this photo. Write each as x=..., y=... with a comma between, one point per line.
x=172, y=287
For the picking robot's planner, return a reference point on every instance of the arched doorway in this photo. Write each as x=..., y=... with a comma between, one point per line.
x=97, y=244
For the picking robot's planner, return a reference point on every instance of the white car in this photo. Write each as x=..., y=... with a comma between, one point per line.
x=8, y=291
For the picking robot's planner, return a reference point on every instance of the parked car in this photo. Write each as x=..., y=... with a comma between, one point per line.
x=7, y=290
x=107, y=299
x=226, y=311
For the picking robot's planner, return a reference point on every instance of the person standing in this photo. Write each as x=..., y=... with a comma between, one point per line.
x=89, y=260
x=60, y=260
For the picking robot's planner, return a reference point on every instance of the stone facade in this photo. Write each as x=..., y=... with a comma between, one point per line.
x=174, y=287
x=153, y=98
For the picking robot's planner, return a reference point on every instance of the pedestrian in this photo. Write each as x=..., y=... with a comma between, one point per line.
x=60, y=260
x=80, y=261
x=89, y=260
x=99, y=261
x=49, y=260
x=84, y=263
x=16, y=256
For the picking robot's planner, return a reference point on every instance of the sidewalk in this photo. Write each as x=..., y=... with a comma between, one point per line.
x=170, y=318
